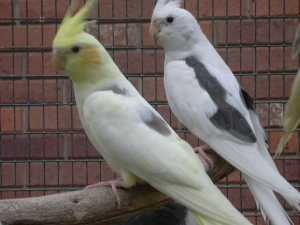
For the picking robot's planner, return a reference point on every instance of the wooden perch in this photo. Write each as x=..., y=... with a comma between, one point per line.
x=90, y=206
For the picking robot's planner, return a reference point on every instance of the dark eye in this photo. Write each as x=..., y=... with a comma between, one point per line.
x=170, y=19
x=75, y=49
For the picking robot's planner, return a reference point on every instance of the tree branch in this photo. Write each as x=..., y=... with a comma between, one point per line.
x=90, y=206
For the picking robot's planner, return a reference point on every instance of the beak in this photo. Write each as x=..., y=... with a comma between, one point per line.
x=58, y=60
x=154, y=29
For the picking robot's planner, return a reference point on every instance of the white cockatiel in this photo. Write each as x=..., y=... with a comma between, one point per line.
x=206, y=97
x=131, y=136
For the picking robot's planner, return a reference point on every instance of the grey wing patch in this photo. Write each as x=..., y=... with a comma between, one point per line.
x=233, y=122
x=156, y=123
x=227, y=117
x=116, y=89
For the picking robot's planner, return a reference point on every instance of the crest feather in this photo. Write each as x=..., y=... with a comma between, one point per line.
x=73, y=23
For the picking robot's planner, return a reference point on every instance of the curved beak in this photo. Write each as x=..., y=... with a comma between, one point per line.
x=58, y=60
x=154, y=29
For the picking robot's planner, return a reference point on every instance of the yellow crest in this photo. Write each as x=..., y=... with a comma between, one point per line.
x=72, y=25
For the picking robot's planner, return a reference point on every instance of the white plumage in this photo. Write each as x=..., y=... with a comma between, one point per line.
x=206, y=97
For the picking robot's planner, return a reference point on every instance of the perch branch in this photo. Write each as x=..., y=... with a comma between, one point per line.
x=90, y=206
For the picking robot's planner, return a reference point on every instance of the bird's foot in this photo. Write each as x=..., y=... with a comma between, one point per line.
x=205, y=159
x=114, y=184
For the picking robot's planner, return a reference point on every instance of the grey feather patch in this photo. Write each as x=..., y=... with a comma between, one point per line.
x=227, y=117
x=249, y=103
x=156, y=123
x=116, y=89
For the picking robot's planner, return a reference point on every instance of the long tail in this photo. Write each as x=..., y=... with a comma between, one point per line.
x=265, y=198
x=208, y=203
x=268, y=203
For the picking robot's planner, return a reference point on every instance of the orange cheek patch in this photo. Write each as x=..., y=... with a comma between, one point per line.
x=90, y=56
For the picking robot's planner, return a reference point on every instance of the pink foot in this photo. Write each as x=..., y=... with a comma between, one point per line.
x=114, y=185
x=205, y=159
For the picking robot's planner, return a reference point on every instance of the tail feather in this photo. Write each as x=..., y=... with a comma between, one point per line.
x=209, y=203
x=268, y=203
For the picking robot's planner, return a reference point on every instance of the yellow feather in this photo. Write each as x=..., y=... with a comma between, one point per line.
x=72, y=26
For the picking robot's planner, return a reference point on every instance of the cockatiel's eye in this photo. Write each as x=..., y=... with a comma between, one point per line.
x=75, y=49
x=170, y=19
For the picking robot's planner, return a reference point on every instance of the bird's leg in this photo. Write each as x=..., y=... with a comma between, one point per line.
x=205, y=159
x=114, y=185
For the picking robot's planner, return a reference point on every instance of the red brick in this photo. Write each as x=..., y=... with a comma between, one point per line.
x=20, y=37
x=5, y=37
x=292, y=7
x=289, y=62
x=21, y=174
x=148, y=66
x=36, y=91
x=161, y=93
x=76, y=124
x=276, y=58
x=65, y=145
x=106, y=172
x=290, y=29
x=262, y=86
x=50, y=115
x=6, y=91
x=148, y=7
x=292, y=170
x=35, y=63
x=36, y=117
x=7, y=119
x=91, y=151
x=49, y=32
x=234, y=195
x=65, y=174
x=79, y=149
x=262, y=59
x=206, y=27
x=148, y=40
x=7, y=147
x=64, y=117
x=234, y=31
x=6, y=61
x=80, y=173
x=276, y=7
x=248, y=8
x=234, y=7
x=191, y=6
x=21, y=119
x=248, y=201
x=248, y=33
x=205, y=8
x=36, y=174
x=134, y=8
x=262, y=110
x=149, y=88
x=234, y=59
x=8, y=174
x=64, y=91
x=160, y=61
x=30, y=8
x=276, y=31
x=120, y=58
x=21, y=147
x=37, y=146
x=34, y=36
x=276, y=85
x=248, y=83
x=220, y=8
x=93, y=172
x=235, y=177
x=21, y=65
x=21, y=91
x=137, y=83
x=119, y=9
x=134, y=61
x=165, y=112
x=119, y=31
x=262, y=7
x=262, y=30
x=51, y=174
x=51, y=146
x=133, y=35
x=5, y=9
x=247, y=59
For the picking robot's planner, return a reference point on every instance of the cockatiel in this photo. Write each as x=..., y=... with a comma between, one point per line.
x=131, y=136
x=205, y=96
x=291, y=117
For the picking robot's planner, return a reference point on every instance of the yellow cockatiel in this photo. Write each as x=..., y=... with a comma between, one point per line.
x=131, y=136
x=291, y=117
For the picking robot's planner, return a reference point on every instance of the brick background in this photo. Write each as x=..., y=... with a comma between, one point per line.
x=43, y=148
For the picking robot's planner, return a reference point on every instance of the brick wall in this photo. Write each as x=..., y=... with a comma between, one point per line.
x=43, y=148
